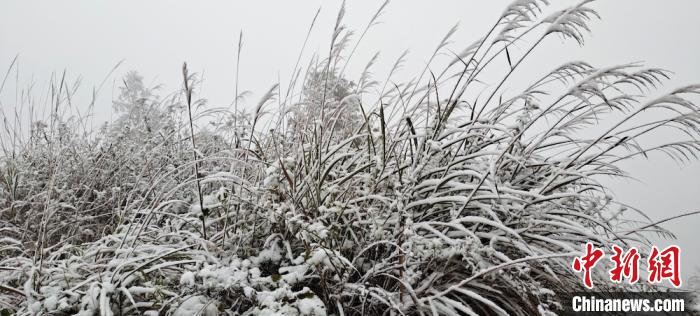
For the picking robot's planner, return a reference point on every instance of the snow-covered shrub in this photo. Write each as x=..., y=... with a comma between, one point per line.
x=445, y=199
x=329, y=98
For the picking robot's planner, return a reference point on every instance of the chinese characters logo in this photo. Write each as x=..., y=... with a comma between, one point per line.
x=661, y=264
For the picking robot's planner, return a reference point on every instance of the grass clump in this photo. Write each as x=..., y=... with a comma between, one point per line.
x=435, y=196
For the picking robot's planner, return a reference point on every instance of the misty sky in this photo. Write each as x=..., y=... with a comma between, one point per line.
x=87, y=38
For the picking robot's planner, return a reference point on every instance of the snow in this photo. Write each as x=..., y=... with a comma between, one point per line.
x=311, y=307
x=187, y=278
x=35, y=308
x=197, y=305
x=409, y=219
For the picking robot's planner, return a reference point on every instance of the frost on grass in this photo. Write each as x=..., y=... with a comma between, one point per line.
x=437, y=195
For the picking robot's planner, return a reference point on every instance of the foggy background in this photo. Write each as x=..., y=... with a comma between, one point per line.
x=88, y=38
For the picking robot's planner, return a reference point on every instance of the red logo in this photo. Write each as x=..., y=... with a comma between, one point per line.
x=625, y=266
x=587, y=262
x=665, y=265
x=661, y=264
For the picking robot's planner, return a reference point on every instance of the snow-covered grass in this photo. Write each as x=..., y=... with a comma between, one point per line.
x=435, y=196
